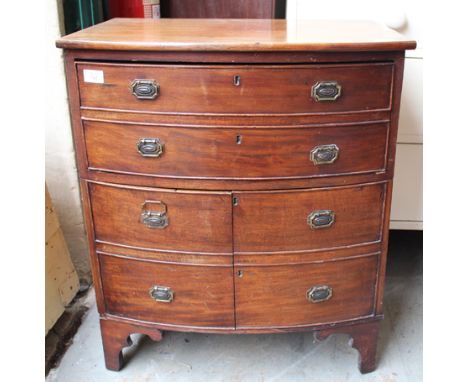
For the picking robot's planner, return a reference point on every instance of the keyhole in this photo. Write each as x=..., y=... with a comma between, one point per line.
x=236, y=80
x=240, y=273
x=238, y=139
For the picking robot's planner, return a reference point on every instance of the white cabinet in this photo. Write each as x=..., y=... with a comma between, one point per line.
x=410, y=128
x=407, y=209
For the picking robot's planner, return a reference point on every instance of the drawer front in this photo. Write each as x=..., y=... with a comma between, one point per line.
x=305, y=294
x=236, y=89
x=235, y=153
x=165, y=220
x=168, y=293
x=279, y=221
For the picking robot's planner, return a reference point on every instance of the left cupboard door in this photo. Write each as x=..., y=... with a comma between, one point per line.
x=193, y=222
x=185, y=295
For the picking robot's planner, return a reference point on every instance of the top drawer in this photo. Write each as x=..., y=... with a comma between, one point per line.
x=234, y=89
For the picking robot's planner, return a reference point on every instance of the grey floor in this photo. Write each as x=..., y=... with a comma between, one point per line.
x=281, y=357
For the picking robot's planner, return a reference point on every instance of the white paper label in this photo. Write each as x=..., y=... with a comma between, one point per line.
x=93, y=76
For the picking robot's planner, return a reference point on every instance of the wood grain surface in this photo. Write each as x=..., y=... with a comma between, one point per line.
x=203, y=296
x=276, y=221
x=276, y=295
x=237, y=35
x=164, y=257
x=235, y=184
x=199, y=222
x=261, y=259
x=262, y=89
x=251, y=153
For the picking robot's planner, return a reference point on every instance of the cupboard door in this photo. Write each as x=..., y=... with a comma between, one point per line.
x=305, y=294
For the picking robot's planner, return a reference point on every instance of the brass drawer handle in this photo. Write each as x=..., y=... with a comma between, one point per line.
x=324, y=154
x=319, y=293
x=154, y=218
x=145, y=89
x=321, y=219
x=150, y=147
x=326, y=91
x=161, y=293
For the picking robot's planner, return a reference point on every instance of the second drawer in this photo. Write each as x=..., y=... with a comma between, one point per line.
x=248, y=153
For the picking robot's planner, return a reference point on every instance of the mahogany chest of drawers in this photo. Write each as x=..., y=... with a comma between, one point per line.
x=236, y=175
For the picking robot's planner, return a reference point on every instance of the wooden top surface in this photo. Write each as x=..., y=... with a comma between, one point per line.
x=236, y=35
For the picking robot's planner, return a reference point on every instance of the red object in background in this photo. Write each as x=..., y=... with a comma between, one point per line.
x=125, y=8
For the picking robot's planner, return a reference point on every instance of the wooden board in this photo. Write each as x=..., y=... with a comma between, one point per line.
x=237, y=35
x=61, y=279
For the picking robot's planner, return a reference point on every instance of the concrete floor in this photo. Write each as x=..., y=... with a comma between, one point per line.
x=291, y=357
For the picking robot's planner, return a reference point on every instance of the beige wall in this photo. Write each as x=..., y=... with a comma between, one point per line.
x=60, y=167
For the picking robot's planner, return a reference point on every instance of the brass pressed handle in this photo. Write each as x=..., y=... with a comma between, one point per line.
x=150, y=147
x=326, y=91
x=319, y=293
x=324, y=154
x=145, y=89
x=161, y=293
x=154, y=218
x=321, y=219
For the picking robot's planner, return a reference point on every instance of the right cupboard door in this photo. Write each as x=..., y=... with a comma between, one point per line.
x=304, y=220
x=305, y=294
